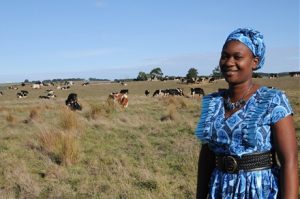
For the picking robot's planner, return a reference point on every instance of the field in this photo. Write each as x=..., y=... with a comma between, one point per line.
x=145, y=151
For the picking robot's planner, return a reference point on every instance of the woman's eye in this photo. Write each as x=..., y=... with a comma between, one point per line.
x=223, y=57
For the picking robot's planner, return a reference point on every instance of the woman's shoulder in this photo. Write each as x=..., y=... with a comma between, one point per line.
x=270, y=89
x=270, y=92
x=217, y=94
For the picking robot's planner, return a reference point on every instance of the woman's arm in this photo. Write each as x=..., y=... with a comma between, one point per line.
x=206, y=165
x=286, y=147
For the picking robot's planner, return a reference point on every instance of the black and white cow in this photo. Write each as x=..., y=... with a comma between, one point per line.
x=170, y=91
x=198, y=91
x=22, y=94
x=175, y=91
x=160, y=92
x=124, y=91
x=147, y=92
x=72, y=102
x=44, y=97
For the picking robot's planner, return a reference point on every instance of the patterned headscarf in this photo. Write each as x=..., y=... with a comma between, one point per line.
x=253, y=39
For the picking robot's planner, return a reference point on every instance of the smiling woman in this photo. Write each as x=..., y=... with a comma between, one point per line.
x=244, y=128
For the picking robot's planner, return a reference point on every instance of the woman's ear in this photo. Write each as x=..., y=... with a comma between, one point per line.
x=255, y=63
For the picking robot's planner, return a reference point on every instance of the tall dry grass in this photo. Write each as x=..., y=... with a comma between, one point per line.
x=70, y=120
x=61, y=146
x=10, y=118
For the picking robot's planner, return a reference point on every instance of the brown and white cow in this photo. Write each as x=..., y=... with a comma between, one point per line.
x=121, y=98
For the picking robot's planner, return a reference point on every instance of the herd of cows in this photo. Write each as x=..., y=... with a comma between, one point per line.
x=120, y=97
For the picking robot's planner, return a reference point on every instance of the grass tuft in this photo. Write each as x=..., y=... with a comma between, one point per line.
x=10, y=118
x=33, y=114
x=62, y=147
x=69, y=120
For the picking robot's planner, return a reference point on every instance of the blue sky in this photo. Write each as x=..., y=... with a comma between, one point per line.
x=118, y=38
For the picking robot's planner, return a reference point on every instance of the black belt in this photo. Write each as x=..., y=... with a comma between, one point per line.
x=248, y=162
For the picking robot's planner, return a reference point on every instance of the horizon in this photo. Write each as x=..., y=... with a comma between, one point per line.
x=111, y=39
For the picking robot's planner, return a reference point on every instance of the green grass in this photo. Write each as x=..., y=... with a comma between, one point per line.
x=145, y=151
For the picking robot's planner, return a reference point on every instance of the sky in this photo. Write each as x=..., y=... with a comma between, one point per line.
x=117, y=39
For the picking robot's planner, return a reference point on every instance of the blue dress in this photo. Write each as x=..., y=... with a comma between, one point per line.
x=246, y=131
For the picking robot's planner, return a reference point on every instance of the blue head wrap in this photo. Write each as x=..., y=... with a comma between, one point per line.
x=253, y=39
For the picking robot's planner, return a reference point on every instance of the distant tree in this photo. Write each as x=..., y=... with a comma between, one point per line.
x=156, y=72
x=26, y=81
x=142, y=76
x=192, y=73
x=217, y=72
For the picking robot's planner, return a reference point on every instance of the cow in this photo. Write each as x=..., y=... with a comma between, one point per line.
x=161, y=92
x=123, y=84
x=211, y=80
x=124, y=91
x=50, y=91
x=1, y=93
x=198, y=91
x=22, y=94
x=51, y=95
x=147, y=92
x=175, y=91
x=157, y=93
x=122, y=99
x=85, y=83
x=72, y=102
x=44, y=97
x=36, y=86
x=13, y=88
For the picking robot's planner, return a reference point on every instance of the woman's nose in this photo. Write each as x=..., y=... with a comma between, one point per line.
x=228, y=62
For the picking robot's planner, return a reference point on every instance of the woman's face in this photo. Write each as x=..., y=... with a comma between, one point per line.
x=237, y=62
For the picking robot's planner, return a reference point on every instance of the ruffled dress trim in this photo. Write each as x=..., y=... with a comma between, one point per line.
x=210, y=105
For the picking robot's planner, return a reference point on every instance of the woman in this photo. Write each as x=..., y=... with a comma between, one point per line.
x=243, y=127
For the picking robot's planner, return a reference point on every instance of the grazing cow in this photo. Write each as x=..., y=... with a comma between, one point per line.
x=85, y=83
x=198, y=91
x=122, y=99
x=161, y=92
x=157, y=93
x=44, y=97
x=123, y=84
x=13, y=88
x=190, y=81
x=51, y=95
x=69, y=83
x=22, y=94
x=175, y=91
x=147, y=92
x=1, y=93
x=50, y=91
x=72, y=102
x=36, y=86
x=124, y=91
x=211, y=80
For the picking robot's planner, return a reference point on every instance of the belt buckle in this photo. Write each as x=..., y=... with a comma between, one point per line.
x=230, y=164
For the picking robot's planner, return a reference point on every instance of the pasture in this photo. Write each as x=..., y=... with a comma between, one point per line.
x=147, y=150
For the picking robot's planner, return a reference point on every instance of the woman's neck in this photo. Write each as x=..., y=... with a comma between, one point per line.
x=238, y=91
